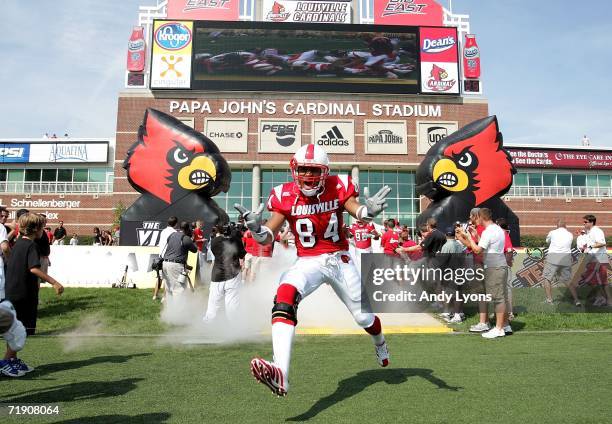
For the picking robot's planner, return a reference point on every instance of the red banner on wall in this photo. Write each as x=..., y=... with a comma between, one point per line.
x=439, y=60
x=212, y=10
x=570, y=159
x=408, y=12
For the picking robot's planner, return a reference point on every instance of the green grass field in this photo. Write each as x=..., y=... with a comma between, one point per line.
x=543, y=377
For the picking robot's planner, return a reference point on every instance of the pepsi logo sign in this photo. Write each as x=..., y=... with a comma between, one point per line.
x=172, y=36
x=438, y=45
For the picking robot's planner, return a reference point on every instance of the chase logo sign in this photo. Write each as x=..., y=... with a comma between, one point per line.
x=14, y=153
x=172, y=36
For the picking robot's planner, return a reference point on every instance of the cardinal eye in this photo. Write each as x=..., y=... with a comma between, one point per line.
x=180, y=156
x=465, y=160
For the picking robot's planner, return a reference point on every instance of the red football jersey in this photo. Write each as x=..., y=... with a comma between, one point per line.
x=250, y=245
x=316, y=221
x=390, y=242
x=358, y=231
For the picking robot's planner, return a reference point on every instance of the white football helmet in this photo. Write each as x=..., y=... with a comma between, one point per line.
x=310, y=156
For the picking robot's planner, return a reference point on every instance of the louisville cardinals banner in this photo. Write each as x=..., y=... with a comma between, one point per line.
x=439, y=60
x=337, y=12
x=171, y=58
x=408, y=12
x=210, y=10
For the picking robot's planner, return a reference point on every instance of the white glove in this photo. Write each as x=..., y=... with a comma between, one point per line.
x=253, y=221
x=374, y=205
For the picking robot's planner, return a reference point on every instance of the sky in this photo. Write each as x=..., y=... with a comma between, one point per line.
x=546, y=66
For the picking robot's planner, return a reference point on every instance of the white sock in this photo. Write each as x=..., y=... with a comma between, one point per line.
x=378, y=339
x=282, y=340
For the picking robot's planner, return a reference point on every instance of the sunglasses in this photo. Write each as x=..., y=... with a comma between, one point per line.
x=586, y=222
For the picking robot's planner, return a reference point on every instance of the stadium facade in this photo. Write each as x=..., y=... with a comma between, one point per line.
x=379, y=137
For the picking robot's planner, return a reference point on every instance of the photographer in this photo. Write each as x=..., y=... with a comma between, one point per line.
x=226, y=278
x=175, y=258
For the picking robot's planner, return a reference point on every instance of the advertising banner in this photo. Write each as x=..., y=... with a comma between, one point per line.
x=69, y=153
x=439, y=60
x=171, y=59
x=572, y=159
x=321, y=11
x=309, y=57
x=334, y=136
x=408, y=12
x=386, y=137
x=230, y=135
x=14, y=153
x=211, y=10
x=280, y=135
x=430, y=132
x=54, y=152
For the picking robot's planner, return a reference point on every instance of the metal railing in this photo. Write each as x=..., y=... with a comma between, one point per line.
x=556, y=191
x=54, y=187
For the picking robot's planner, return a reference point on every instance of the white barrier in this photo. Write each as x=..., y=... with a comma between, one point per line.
x=102, y=266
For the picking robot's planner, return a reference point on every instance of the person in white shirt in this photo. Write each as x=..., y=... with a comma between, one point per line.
x=74, y=241
x=586, y=141
x=4, y=247
x=163, y=242
x=596, y=247
x=492, y=243
x=558, y=260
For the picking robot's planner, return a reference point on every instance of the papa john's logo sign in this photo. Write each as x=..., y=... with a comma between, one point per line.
x=172, y=36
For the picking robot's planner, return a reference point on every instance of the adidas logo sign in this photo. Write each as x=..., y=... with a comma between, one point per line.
x=333, y=137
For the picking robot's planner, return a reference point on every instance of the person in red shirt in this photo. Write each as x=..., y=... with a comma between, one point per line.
x=405, y=242
x=250, y=246
x=390, y=239
x=200, y=242
x=361, y=234
x=313, y=204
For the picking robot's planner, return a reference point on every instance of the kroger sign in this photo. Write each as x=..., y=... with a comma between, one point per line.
x=172, y=36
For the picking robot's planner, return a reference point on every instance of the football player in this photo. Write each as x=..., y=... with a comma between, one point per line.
x=362, y=233
x=313, y=204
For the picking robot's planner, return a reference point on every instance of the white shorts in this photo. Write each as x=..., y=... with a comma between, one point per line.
x=336, y=269
x=15, y=336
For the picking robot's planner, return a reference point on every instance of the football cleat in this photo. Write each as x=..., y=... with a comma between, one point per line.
x=382, y=354
x=269, y=374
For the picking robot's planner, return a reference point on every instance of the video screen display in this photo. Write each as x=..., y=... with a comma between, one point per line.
x=304, y=57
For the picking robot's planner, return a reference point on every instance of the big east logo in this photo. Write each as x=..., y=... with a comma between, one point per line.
x=398, y=7
x=172, y=36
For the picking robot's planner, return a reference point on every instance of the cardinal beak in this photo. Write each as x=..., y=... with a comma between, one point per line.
x=449, y=177
x=197, y=174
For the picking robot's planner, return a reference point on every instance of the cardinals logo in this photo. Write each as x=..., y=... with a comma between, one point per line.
x=277, y=14
x=467, y=169
x=170, y=160
x=438, y=79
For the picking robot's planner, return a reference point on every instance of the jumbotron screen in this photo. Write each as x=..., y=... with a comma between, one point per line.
x=256, y=56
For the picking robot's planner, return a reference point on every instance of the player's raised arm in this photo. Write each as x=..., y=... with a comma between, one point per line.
x=263, y=234
x=371, y=207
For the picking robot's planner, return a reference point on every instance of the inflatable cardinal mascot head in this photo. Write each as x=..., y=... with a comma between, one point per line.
x=467, y=169
x=177, y=170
